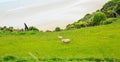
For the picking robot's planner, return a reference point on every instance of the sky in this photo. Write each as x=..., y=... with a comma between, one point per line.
x=45, y=14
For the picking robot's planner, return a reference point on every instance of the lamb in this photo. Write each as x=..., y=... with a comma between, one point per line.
x=66, y=40
x=60, y=37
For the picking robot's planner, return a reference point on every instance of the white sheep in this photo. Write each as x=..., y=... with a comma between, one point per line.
x=60, y=37
x=66, y=40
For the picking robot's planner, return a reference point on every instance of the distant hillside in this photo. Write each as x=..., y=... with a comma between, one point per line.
x=106, y=15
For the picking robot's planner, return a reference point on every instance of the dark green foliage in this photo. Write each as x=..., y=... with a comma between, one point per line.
x=86, y=17
x=89, y=59
x=9, y=58
x=57, y=29
x=75, y=59
x=98, y=17
x=70, y=26
x=116, y=0
x=112, y=8
x=117, y=9
x=33, y=29
x=9, y=29
x=109, y=21
x=84, y=22
x=56, y=59
x=80, y=24
x=48, y=31
x=111, y=59
x=93, y=59
x=6, y=29
x=25, y=60
x=88, y=20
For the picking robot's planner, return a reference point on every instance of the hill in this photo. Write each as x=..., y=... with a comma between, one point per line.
x=94, y=38
x=91, y=42
x=105, y=15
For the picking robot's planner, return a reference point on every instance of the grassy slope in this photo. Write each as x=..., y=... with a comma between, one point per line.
x=100, y=41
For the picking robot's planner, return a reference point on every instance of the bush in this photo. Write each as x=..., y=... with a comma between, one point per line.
x=111, y=59
x=33, y=29
x=98, y=17
x=48, y=31
x=70, y=26
x=86, y=17
x=8, y=58
x=80, y=24
x=115, y=0
x=57, y=29
x=112, y=8
x=109, y=21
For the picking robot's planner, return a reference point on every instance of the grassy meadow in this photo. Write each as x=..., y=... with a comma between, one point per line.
x=91, y=42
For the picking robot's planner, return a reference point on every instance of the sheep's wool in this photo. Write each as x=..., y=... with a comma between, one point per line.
x=60, y=37
x=66, y=40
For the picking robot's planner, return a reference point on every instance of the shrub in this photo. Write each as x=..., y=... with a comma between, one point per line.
x=70, y=26
x=109, y=21
x=8, y=30
x=33, y=29
x=8, y=58
x=48, y=31
x=112, y=8
x=110, y=59
x=80, y=24
x=115, y=0
x=57, y=29
x=56, y=59
x=98, y=17
x=86, y=17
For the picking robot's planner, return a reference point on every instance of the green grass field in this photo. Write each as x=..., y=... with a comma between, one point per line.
x=91, y=42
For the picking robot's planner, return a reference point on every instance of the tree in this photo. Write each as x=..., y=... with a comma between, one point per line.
x=117, y=10
x=57, y=29
x=112, y=8
x=98, y=17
